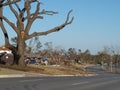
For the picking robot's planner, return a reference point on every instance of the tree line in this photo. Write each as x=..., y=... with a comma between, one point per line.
x=59, y=55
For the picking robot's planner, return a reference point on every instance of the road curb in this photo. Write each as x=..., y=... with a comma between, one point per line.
x=12, y=76
x=43, y=75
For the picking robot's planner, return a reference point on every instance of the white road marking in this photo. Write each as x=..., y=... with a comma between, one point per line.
x=106, y=82
x=80, y=83
x=31, y=80
x=99, y=84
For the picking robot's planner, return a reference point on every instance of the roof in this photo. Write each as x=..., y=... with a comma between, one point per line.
x=4, y=49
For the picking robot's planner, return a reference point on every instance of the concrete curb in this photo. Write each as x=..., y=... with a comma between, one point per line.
x=45, y=75
x=42, y=75
x=88, y=75
x=12, y=76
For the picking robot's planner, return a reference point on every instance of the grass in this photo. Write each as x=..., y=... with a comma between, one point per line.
x=57, y=70
x=6, y=73
x=49, y=70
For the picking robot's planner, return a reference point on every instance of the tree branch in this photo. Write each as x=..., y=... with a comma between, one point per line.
x=10, y=2
x=31, y=20
x=5, y=34
x=18, y=7
x=28, y=7
x=68, y=17
x=13, y=10
x=11, y=24
x=48, y=12
x=58, y=28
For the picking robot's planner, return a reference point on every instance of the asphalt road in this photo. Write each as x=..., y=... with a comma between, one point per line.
x=103, y=81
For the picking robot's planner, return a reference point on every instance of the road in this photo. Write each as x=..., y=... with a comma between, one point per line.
x=103, y=81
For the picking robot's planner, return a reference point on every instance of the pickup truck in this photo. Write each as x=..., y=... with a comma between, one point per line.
x=6, y=58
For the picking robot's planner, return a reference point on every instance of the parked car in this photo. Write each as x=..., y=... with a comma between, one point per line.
x=32, y=61
x=6, y=56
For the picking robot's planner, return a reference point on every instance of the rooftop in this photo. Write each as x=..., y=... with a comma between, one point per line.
x=4, y=49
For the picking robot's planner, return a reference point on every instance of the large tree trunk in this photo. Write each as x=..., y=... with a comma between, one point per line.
x=21, y=51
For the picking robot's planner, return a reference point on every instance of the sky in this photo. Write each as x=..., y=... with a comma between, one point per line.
x=96, y=24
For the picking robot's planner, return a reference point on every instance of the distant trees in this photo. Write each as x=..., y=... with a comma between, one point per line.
x=109, y=56
x=34, y=45
x=59, y=55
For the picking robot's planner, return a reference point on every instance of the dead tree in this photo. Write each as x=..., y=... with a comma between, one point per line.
x=24, y=20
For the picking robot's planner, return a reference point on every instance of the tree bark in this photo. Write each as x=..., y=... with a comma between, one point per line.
x=21, y=51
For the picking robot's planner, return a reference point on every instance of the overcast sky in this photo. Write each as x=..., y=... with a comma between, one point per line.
x=96, y=24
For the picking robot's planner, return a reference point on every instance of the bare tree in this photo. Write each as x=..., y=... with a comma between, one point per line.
x=34, y=45
x=24, y=20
